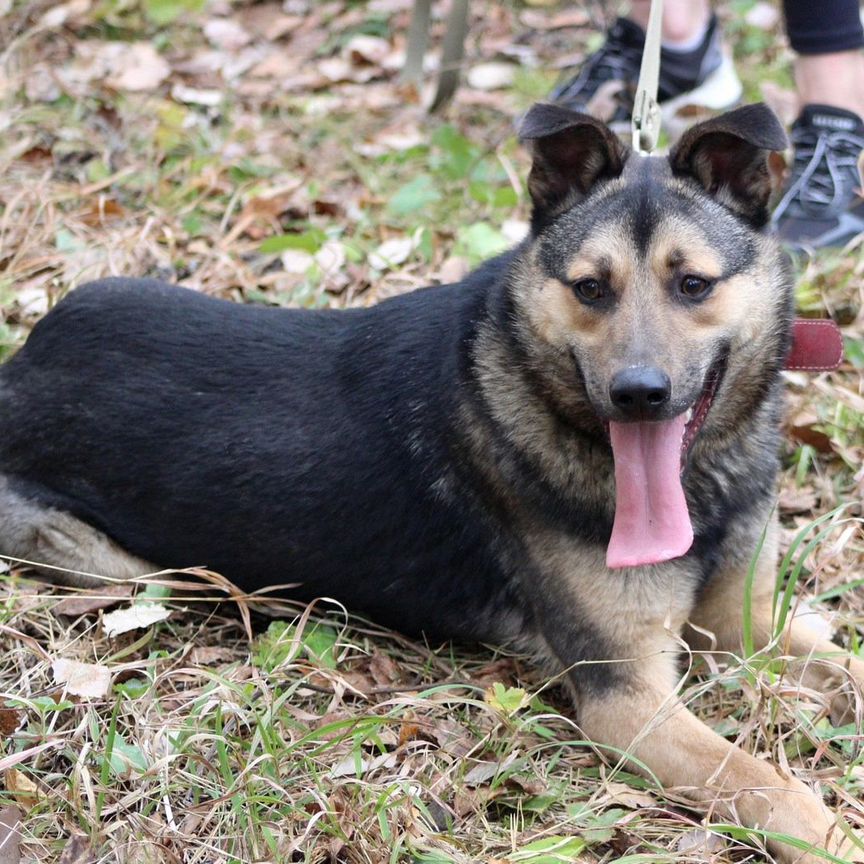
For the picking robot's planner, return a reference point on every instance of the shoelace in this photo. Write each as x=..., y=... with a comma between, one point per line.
x=827, y=167
x=612, y=61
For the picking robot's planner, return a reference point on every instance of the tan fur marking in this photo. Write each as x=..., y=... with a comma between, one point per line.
x=71, y=550
x=556, y=314
x=734, y=305
x=679, y=241
x=635, y=610
x=605, y=246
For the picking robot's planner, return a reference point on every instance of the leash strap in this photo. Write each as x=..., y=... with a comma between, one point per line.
x=646, y=111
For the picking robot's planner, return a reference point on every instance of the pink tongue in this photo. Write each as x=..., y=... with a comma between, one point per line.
x=651, y=519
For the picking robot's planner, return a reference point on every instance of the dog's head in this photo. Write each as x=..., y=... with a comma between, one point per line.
x=652, y=276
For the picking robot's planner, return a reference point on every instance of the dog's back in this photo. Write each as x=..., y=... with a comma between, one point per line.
x=266, y=430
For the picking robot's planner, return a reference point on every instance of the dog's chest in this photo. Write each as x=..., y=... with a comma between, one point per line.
x=621, y=603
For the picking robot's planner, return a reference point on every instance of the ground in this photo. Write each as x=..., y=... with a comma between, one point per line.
x=268, y=153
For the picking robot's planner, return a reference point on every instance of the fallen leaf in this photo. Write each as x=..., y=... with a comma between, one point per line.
x=362, y=49
x=10, y=835
x=77, y=851
x=40, y=85
x=325, y=207
x=32, y=300
x=87, y=680
x=267, y=21
x=814, y=437
x=530, y=785
x=453, y=269
x=398, y=138
x=468, y=801
x=348, y=766
x=206, y=655
x=101, y=211
x=383, y=670
x=134, y=617
x=484, y=771
x=450, y=737
x=491, y=76
x=92, y=600
x=700, y=842
x=276, y=64
x=64, y=13
x=331, y=258
x=137, y=67
x=10, y=720
x=409, y=729
x=627, y=796
x=226, y=34
x=22, y=789
x=194, y=96
x=393, y=252
x=520, y=55
x=336, y=69
x=296, y=261
x=797, y=500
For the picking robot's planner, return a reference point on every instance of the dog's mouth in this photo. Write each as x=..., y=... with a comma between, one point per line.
x=652, y=522
x=695, y=415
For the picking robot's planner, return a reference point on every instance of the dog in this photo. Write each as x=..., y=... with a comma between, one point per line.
x=575, y=449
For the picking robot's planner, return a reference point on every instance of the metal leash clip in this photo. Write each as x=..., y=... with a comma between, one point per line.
x=646, y=110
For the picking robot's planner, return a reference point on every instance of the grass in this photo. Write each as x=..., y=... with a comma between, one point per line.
x=318, y=737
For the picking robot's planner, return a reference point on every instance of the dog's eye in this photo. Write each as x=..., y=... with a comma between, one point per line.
x=695, y=287
x=589, y=290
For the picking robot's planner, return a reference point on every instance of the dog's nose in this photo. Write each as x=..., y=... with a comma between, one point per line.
x=640, y=392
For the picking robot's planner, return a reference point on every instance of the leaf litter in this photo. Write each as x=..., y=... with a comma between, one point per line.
x=268, y=153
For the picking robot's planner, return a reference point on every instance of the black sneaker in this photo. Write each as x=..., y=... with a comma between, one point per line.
x=821, y=206
x=606, y=83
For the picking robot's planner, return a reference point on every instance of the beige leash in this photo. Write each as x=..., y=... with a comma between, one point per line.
x=646, y=111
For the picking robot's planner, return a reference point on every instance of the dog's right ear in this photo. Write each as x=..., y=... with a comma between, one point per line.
x=572, y=152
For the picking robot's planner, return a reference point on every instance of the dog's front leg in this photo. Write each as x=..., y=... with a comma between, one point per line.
x=719, y=617
x=640, y=715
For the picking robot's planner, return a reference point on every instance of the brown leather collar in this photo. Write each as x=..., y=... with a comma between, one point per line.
x=817, y=345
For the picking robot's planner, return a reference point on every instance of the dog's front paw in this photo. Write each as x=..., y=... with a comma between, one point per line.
x=796, y=812
x=848, y=847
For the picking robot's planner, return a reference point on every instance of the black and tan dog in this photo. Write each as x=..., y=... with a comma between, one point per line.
x=574, y=449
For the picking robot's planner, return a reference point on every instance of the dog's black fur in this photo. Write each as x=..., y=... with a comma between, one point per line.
x=309, y=438
x=440, y=461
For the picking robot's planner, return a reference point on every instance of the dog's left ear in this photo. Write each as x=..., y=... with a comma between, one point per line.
x=572, y=152
x=728, y=155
